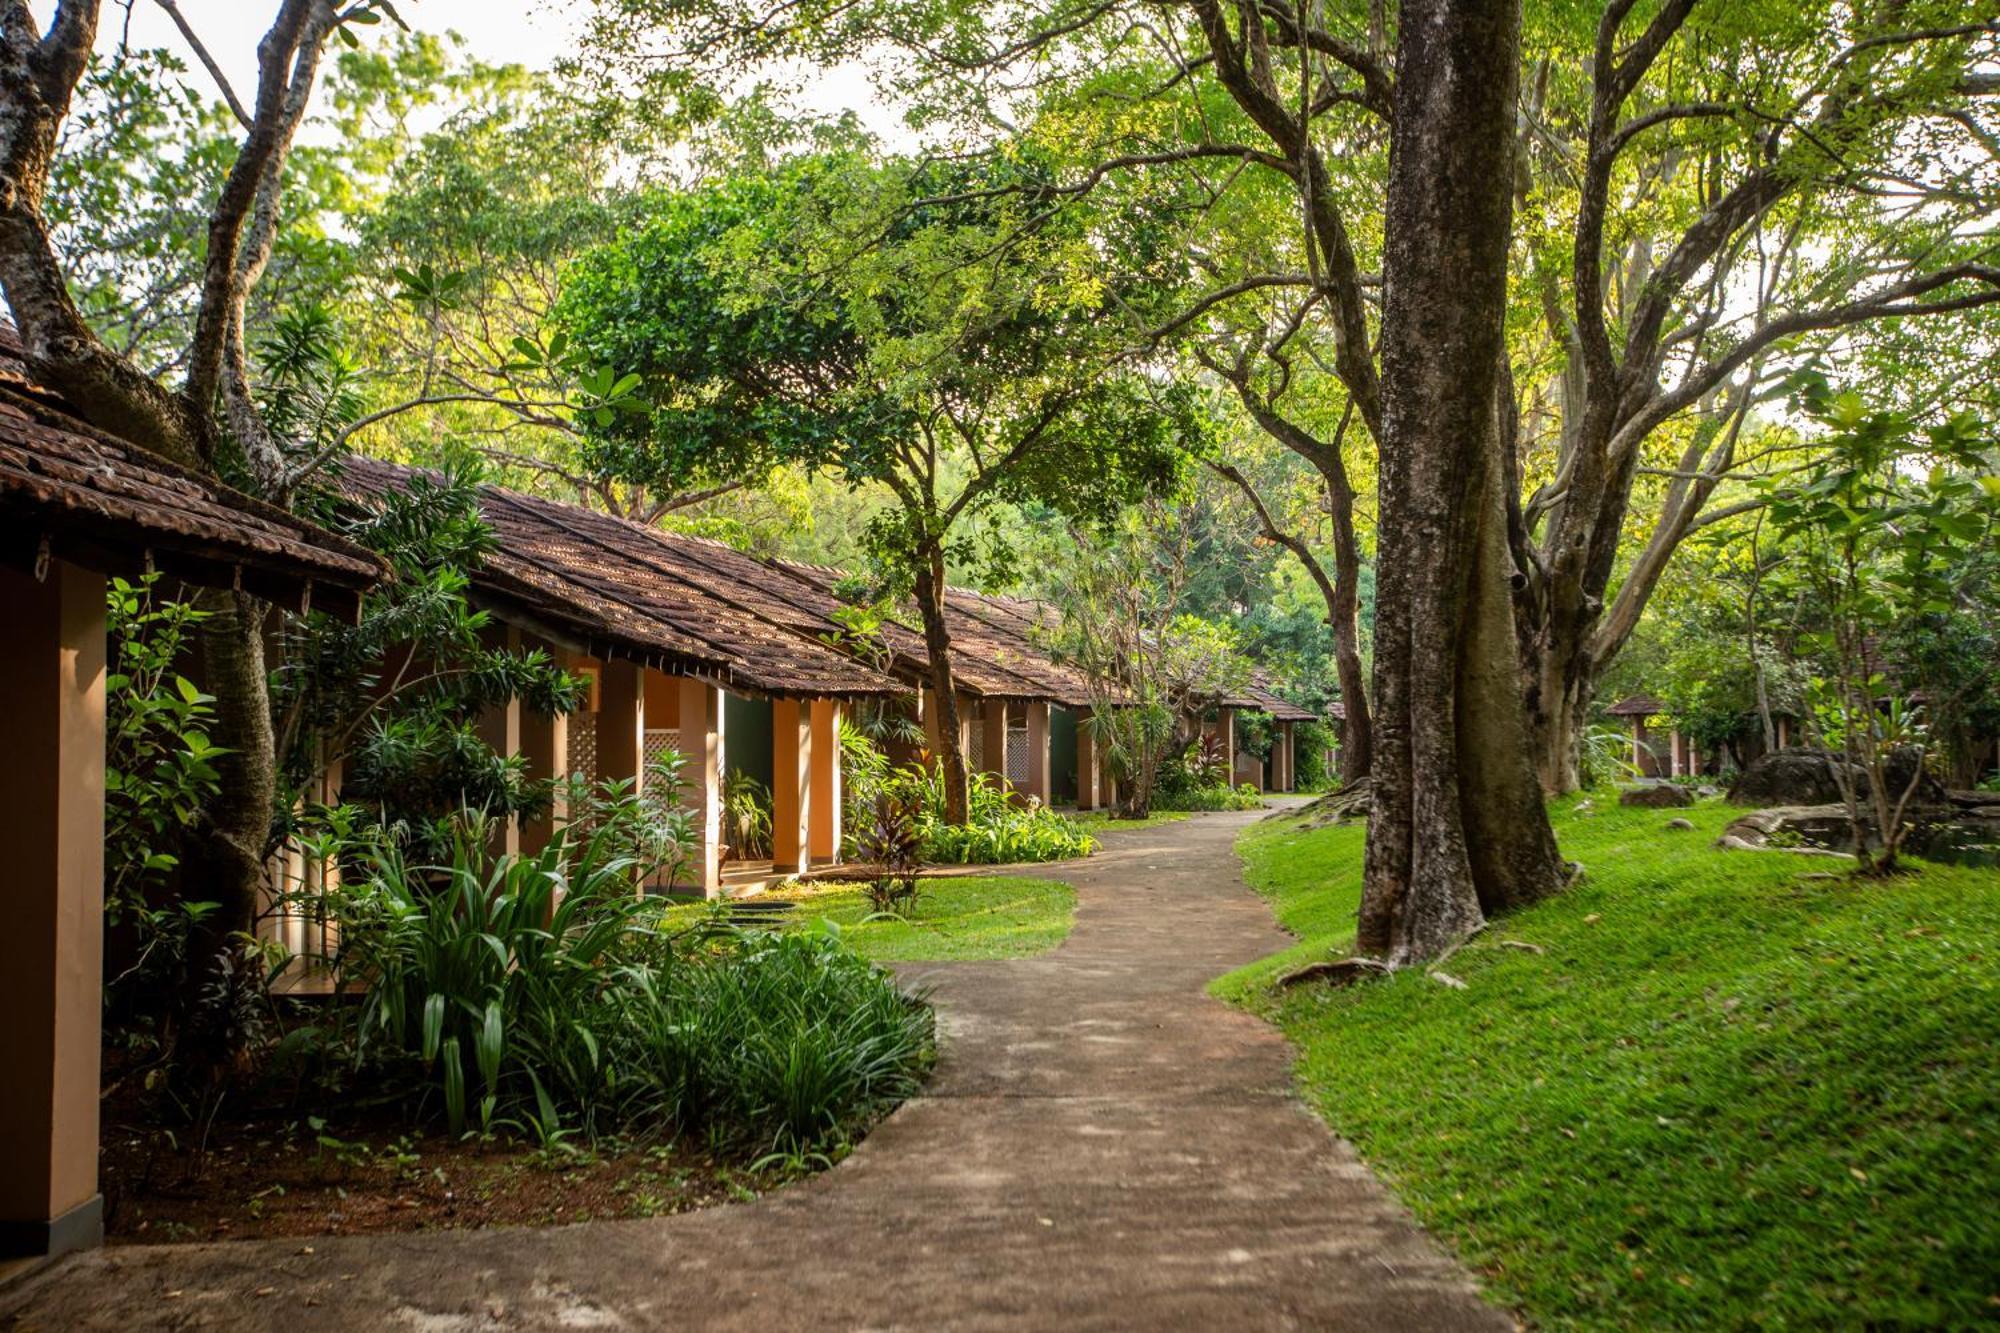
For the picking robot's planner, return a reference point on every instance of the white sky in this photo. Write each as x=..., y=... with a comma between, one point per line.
x=534, y=33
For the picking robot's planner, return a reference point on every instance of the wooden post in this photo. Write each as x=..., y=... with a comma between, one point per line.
x=701, y=744
x=52, y=951
x=1086, y=762
x=824, y=813
x=1037, y=787
x=791, y=785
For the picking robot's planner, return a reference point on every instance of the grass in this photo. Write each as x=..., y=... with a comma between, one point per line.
x=956, y=917
x=1728, y=1094
x=1096, y=822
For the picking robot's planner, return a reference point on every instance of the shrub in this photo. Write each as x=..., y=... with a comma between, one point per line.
x=996, y=830
x=543, y=995
x=1244, y=797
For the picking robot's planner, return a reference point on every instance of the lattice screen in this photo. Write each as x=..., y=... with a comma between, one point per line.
x=1017, y=756
x=583, y=746
x=975, y=755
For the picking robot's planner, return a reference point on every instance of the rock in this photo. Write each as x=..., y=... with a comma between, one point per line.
x=1680, y=824
x=1657, y=795
x=1707, y=792
x=1811, y=830
x=1806, y=777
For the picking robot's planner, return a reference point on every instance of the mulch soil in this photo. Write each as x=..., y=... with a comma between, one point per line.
x=295, y=1175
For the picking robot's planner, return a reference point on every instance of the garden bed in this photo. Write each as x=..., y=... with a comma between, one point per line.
x=284, y=1179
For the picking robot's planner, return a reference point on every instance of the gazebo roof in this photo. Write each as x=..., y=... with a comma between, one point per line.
x=70, y=491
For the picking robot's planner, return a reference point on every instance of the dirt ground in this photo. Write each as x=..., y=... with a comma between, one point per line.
x=295, y=1178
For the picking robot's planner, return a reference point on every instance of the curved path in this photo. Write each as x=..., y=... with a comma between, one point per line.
x=1103, y=1145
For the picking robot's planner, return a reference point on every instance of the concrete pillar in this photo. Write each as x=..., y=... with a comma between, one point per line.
x=701, y=744
x=1037, y=785
x=52, y=951
x=621, y=723
x=995, y=741
x=545, y=747
x=500, y=727
x=824, y=810
x=1086, y=762
x=791, y=785
x=1225, y=727
x=1107, y=785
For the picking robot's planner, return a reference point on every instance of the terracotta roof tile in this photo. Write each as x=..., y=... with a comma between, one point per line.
x=111, y=504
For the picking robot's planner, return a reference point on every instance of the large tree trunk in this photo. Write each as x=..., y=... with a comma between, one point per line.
x=1457, y=829
x=929, y=593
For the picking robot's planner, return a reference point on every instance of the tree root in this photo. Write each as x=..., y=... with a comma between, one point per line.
x=1343, y=973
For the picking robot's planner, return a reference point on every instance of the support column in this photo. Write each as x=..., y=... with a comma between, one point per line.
x=545, y=747
x=621, y=723
x=500, y=727
x=995, y=742
x=1225, y=727
x=791, y=785
x=824, y=810
x=52, y=951
x=1086, y=762
x=1038, y=786
x=701, y=744
x=1107, y=786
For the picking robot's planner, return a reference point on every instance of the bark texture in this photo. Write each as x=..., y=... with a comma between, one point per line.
x=1457, y=830
x=929, y=594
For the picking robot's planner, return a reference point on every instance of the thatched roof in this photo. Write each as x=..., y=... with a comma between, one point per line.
x=72, y=492
x=620, y=589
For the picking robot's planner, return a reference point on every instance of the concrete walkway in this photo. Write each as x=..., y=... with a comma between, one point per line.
x=1103, y=1146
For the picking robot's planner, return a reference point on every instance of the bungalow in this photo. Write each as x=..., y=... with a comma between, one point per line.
x=689, y=646
x=1681, y=757
x=76, y=505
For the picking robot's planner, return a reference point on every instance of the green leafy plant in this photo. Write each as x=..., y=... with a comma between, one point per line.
x=747, y=806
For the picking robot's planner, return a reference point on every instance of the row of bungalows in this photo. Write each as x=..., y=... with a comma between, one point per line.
x=79, y=506
x=742, y=666
x=745, y=666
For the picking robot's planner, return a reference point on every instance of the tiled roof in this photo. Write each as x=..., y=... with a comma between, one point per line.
x=685, y=605
x=994, y=655
x=110, y=504
x=1284, y=710
x=1636, y=705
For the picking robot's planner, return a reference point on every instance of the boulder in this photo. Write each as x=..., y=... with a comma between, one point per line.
x=1806, y=777
x=1680, y=825
x=1656, y=795
x=1813, y=830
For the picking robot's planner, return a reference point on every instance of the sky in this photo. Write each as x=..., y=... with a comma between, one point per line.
x=529, y=32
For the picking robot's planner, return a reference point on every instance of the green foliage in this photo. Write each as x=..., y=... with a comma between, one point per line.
x=396, y=697
x=1310, y=743
x=746, y=805
x=997, y=831
x=159, y=773
x=1722, y=1093
x=1876, y=549
x=543, y=996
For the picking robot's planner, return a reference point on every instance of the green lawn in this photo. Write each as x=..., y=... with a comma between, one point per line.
x=1098, y=822
x=963, y=916
x=1729, y=1094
